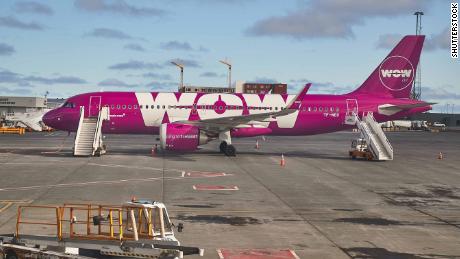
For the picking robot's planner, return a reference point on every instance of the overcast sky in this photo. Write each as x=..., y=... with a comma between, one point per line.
x=72, y=46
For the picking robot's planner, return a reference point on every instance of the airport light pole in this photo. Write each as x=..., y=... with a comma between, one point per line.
x=417, y=85
x=225, y=62
x=181, y=66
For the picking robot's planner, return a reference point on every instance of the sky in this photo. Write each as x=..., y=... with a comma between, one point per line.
x=66, y=47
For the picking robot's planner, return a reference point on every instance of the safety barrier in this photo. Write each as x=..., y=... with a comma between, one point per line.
x=20, y=131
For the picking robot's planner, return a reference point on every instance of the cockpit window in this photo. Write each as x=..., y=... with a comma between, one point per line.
x=68, y=105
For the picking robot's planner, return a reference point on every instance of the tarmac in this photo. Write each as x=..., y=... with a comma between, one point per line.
x=321, y=204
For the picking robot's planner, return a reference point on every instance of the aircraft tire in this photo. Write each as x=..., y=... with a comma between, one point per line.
x=230, y=150
x=223, y=146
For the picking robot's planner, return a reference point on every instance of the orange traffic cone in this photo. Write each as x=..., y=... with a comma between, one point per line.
x=440, y=156
x=283, y=162
x=257, y=144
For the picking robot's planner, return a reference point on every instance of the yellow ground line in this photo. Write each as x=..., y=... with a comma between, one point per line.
x=15, y=201
x=6, y=207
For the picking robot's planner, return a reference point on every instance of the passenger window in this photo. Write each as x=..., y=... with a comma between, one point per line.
x=325, y=109
x=140, y=106
x=320, y=109
x=164, y=107
x=314, y=109
x=309, y=108
x=304, y=109
x=332, y=109
x=135, y=106
x=118, y=106
x=276, y=108
x=158, y=106
x=129, y=106
x=337, y=109
x=124, y=106
x=112, y=106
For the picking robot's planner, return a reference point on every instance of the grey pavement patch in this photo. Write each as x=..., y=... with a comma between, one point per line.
x=382, y=253
x=347, y=209
x=216, y=219
x=369, y=221
x=198, y=206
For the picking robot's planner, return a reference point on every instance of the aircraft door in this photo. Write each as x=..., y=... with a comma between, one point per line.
x=352, y=110
x=94, y=106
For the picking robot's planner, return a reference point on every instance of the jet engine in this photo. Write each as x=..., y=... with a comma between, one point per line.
x=181, y=137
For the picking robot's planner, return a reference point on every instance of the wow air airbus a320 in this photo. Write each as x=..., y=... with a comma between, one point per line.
x=185, y=121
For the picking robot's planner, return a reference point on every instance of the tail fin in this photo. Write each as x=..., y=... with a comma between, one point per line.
x=395, y=75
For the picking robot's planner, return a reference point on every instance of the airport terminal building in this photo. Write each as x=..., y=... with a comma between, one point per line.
x=10, y=105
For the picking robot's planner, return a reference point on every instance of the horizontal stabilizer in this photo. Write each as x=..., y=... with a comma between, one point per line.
x=390, y=109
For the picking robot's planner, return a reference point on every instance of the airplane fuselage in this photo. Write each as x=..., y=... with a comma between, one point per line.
x=143, y=113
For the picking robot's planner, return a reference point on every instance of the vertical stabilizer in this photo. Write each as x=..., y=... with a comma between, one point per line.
x=395, y=75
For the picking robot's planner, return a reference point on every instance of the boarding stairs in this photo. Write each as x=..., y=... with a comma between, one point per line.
x=88, y=141
x=374, y=136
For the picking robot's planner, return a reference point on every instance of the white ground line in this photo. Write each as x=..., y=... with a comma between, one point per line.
x=221, y=256
x=294, y=254
x=136, y=167
x=235, y=188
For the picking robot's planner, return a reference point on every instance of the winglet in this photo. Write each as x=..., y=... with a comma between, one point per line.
x=295, y=103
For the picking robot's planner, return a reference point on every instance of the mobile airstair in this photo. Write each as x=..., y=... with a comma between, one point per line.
x=88, y=141
x=375, y=140
x=139, y=228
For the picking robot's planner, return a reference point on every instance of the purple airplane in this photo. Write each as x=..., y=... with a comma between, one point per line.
x=185, y=121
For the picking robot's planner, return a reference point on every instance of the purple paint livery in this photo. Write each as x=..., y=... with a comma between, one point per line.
x=187, y=120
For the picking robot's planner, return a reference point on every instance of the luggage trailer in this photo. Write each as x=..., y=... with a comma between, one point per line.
x=139, y=228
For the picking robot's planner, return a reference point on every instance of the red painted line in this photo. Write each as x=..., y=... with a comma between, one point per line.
x=205, y=187
x=256, y=254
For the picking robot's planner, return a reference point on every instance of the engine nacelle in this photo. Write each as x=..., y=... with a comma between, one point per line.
x=181, y=137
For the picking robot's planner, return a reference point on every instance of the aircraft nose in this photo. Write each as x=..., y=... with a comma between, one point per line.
x=50, y=118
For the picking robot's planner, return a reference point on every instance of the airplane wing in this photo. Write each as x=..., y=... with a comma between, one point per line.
x=216, y=125
x=390, y=109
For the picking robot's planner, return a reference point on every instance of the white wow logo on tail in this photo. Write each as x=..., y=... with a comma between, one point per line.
x=396, y=73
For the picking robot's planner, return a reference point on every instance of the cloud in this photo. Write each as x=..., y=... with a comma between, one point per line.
x=331, y=18
x=15, y=91
x=440, y=93
x=163, y=86
x=434, y=42
x=33, y=7
x=115, y=83
x=157, y=76
x=176, y=45
x=6, y=50
x=321, y=87
x=11, y=22
x=117, y=7
x=108, y=33
x=135, y=65
x=135, y=47
x=211, y=74
x=9, y=77
x=56, y=80
x=265, y=80
x=185, y=62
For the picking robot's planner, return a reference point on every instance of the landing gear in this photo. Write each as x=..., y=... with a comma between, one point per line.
x=230, y=150
x=223, y=146
x=226, y=146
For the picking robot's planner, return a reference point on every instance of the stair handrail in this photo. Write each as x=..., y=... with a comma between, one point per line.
x=103, y=115
x=380, y=134
x=80, y=123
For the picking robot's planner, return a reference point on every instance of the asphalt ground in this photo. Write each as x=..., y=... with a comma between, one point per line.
x=321, y=204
